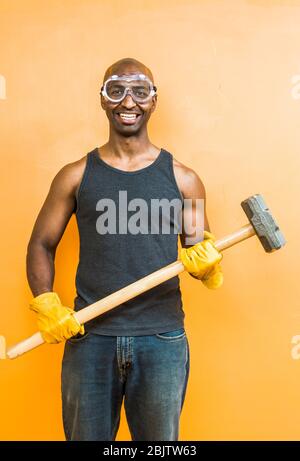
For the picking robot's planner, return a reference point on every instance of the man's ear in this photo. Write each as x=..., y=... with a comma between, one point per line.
x=154, y=102
x=102, y=100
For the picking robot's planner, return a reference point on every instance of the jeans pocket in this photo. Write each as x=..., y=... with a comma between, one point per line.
x=78, y=338
x=172, y=335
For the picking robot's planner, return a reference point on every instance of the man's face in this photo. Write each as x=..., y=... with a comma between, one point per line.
x=128, y=105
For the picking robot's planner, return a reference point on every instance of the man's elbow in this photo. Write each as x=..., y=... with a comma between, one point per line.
x=38, y=245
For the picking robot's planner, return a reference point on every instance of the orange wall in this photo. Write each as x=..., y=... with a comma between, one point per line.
x=229, y=107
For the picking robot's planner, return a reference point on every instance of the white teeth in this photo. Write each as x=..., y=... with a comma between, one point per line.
x=131, y=116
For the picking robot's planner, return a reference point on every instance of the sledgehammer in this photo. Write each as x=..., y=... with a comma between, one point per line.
x=262, y=224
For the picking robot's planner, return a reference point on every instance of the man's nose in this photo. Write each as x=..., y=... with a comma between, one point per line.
x=128, y=101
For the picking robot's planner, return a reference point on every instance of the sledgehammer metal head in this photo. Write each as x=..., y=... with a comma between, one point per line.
x=263, y=223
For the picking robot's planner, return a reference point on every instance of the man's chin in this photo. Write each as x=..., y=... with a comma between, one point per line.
x=126, y=129
x=127, y=132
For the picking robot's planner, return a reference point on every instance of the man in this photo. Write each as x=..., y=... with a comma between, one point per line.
x=138, y=350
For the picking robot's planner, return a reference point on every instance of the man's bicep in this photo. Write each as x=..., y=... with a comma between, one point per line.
x=194, y=223
x=55, y=212
x=194, y=211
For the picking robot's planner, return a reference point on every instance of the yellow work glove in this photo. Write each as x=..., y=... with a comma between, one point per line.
x=214, y=279
x=202, y=261
x=55, y=321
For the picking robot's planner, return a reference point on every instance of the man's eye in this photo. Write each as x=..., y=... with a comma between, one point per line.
x=141, y=92
x=116, y=89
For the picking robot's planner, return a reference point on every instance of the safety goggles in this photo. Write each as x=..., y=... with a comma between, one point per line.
x=140, y=87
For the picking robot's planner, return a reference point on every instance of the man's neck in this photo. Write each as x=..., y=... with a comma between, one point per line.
x=127, y=147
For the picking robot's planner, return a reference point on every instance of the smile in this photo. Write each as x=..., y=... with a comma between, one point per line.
x=127, y=119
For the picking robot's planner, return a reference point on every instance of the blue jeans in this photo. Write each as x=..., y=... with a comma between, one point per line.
x=151, y=372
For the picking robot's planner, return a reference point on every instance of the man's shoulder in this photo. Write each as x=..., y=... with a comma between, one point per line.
x=75, y=168
x=182, y=169
x=70, y=175
x=188, y=180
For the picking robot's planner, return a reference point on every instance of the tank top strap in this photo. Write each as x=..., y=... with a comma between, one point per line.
x=88, y=167
x=168, y=165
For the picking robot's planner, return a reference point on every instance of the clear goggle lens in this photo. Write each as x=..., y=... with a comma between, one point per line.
x=115, y=89
x=139, y=90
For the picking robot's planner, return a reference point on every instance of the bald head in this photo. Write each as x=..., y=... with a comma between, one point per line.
x=130, y=66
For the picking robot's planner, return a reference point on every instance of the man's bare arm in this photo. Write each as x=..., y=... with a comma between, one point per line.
x=206, y=266
x=50, y=225
x=191, y=188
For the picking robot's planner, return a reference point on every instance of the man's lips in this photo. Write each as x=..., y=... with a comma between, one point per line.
x=127, y=121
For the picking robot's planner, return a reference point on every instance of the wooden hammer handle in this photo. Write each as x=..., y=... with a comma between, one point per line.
x=130, y=291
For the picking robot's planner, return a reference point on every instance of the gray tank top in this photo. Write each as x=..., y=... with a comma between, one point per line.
x=110, y=261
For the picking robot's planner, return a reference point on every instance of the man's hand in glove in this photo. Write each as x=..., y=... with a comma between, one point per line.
x=202, y=261
x=55, y=321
